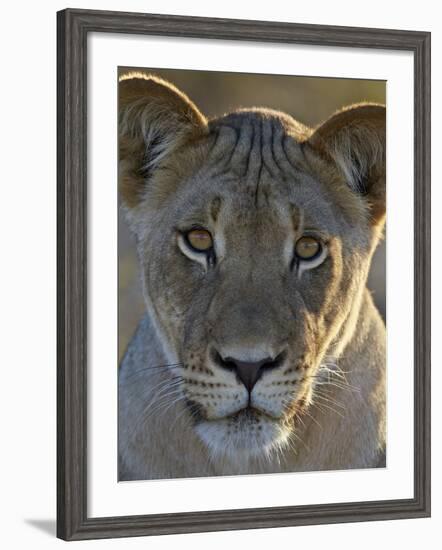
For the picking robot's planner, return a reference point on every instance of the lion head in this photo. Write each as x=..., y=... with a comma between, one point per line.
x=255, y=236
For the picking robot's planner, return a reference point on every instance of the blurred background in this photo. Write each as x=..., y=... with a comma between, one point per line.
x=309, y=99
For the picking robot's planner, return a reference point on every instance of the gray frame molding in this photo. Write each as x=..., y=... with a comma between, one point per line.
x=73, y=27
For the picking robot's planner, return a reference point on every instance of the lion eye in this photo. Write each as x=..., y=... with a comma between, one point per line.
x=307, y=248
x=200, y=239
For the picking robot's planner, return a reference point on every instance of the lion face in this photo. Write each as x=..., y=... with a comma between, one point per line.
x=253, y=249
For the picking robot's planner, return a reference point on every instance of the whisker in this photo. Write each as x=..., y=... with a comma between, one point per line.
x=150, y=389
x=299, y=418
x=319, y=405
x=332, y=401
x=344, y=386
x=186, y=410
x=291, y=445
x=298, y=438
x=164, y=404
x=162, y=392
x=336, y=383
x=154, y=367
x=307, y=413
x=153, y=407
x=165, y=388
x=179, y=397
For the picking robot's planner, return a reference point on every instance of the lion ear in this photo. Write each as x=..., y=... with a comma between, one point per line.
x=155, y=119
x=354, y=139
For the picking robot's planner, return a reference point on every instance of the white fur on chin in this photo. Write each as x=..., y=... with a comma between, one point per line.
x=238, y=442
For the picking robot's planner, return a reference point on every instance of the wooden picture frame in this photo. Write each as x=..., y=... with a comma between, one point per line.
x=73, y=28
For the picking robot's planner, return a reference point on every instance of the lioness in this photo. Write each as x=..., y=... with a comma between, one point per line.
x=261, y=349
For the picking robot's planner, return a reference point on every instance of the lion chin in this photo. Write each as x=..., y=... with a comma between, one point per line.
x=248, y=434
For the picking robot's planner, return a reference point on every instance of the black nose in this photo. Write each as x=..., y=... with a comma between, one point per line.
x=248, y=372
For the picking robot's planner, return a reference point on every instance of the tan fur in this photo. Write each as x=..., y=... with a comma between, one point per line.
x=257, y=180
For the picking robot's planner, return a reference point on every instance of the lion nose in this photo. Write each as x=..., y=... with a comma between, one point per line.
x=248, y=372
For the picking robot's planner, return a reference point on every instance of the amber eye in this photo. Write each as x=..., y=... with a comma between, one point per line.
x=307, y=248
x=200, y=239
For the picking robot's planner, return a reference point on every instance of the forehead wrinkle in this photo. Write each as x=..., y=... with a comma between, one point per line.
x=224, y=142
x=239, y=160
x=293, y=155
x=269, y=166
x=249, y=145
x=271, y=133
x=254, y=162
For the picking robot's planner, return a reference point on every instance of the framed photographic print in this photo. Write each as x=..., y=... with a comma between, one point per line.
x=243, y=274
